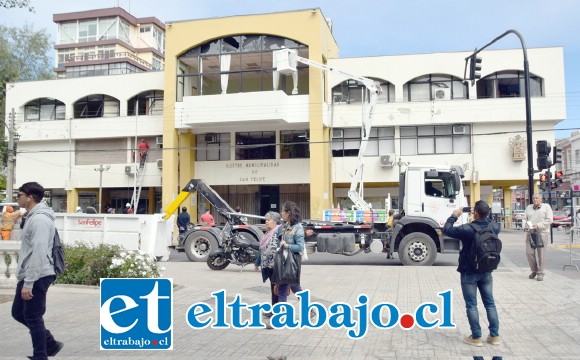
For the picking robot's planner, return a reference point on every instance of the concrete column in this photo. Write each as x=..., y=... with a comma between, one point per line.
x=186, y=166
x=475, y=193
x=151, y=208
x=72, y=200
x=320, y=156
x=507, y=201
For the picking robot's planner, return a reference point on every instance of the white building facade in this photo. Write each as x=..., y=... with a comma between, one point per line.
x=62, y=154
x=221, y=113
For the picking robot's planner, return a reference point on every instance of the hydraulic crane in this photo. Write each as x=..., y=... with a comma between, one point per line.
x=286, y=61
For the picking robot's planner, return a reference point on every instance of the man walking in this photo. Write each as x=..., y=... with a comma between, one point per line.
x=540, y=216
x=35, y=271
x=471, y=280
x=182, y=220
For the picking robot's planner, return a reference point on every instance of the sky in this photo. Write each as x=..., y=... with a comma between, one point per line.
x=382, y=27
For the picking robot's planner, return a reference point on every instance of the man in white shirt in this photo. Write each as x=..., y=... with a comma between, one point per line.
x=540, y=216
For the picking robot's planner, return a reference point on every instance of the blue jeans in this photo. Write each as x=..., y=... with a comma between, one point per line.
x=470, y=282
x=283, y=291
x=30, y=314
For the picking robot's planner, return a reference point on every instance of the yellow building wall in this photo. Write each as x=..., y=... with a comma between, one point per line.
x=308, y=27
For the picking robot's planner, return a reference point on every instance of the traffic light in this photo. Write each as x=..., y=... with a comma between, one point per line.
x=543, y=150
x=474, y=67
x=544, y=181
x=558, y=179
x=557, y=154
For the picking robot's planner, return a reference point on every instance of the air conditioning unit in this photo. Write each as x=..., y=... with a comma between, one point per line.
x=160, y=163
x=441, y=93
x=130, y=169
x=210, y=138
x=387, y=160
x=459, y=130
x=337, y=133
x=159, y=140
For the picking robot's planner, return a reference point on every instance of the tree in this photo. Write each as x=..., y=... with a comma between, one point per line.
x=25, y=56
x=9, y=4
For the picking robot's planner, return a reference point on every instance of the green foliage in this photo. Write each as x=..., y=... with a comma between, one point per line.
x=24, y=55
x=86, y=264
x=9, y=4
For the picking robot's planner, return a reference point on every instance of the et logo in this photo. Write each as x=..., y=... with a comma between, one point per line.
x=136, y=314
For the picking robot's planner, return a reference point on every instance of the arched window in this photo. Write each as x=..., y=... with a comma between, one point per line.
x=509, y=83
x=148, y=102
x=435, y=87
x=353, y=92
x=234, y=64
x=96, y=105
x=42, y=109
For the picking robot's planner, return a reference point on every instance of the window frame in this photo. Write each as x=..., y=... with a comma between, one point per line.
x=374, y=137
x=491, y=83
x=436, y=81
x=99, y=100
x=244, y=50
x=298, y=147
x=255, y=150
x=38, y=104
x=433, y=136
x=223, y=144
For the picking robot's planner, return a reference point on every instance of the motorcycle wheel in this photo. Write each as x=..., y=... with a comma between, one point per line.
x=217, y=262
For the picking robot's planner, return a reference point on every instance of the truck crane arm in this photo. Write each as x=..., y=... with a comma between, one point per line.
x=210, y=194
x=286, y=60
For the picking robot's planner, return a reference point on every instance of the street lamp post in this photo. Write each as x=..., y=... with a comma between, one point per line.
x=100, y=169
x=13, y=137
x=528, y=105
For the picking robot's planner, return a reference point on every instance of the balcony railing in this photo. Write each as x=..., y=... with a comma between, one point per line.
x=8, y=251
x=105, y=56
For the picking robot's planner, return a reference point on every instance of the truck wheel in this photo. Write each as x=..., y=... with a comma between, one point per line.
x=417, y=249
x=197, y=247
x=217, y=262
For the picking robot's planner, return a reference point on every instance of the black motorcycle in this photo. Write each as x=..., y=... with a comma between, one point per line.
x=238, y=245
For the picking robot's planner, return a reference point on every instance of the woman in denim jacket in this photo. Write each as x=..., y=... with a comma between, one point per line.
x=291, y=237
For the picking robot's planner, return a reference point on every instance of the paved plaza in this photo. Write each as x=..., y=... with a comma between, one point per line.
x=538, y=320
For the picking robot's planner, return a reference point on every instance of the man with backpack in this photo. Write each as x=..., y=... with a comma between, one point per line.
x=35, y=271
x=478, y=257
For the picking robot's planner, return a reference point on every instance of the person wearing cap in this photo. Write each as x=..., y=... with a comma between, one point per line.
x=8, y=218
x=79, y=210
x=127, y=208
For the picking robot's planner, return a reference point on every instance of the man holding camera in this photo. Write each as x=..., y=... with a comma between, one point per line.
x=539, y=218
x=471, y=278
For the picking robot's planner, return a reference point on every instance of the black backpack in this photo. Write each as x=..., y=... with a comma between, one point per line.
x=58, y=254
x=484, y=253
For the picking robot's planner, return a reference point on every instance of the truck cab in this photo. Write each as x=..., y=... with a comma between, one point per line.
x=427, y=196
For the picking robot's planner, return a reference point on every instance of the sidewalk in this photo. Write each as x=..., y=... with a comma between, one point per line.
x=538, y=320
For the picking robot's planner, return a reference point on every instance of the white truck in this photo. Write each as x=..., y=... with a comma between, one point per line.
x=427, y=196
